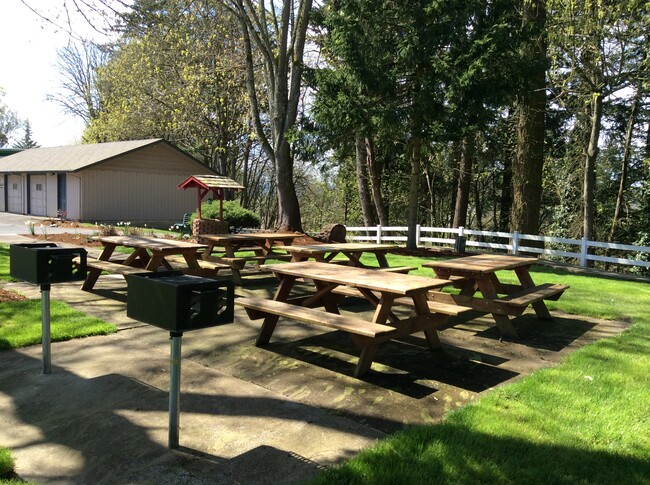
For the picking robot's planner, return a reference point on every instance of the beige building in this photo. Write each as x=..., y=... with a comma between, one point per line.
x=132, y=181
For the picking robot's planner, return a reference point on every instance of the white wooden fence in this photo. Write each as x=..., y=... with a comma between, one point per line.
x=514, y=243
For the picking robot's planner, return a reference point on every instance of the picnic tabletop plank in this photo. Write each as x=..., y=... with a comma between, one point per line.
x=353, y=276
x=480, y=264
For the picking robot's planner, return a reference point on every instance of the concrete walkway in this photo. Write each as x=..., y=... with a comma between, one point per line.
x=249, y=415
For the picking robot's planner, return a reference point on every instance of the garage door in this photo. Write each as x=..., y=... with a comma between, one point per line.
x=15, y=194
x=37, y=195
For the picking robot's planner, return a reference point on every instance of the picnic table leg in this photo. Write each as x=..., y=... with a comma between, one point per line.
x=354, y=258
x=368, y=351
x=155, y=261
x=383, y=309
x=381, y=259
x=93, y=273
x=270, y=321
x=503, y=322
x=91, y=279
x=422, y=308
x=527, y=282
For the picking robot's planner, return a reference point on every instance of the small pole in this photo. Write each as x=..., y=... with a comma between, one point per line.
x=174, y=387
x=46, y=337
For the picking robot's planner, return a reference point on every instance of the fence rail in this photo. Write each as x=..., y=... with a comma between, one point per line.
x=512, y=242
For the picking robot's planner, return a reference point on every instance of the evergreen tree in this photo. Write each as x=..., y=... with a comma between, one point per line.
x=26, y=142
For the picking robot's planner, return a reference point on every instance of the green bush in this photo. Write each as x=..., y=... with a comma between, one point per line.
x=235, y=215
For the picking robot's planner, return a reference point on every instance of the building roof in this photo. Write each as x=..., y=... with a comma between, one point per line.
x=210, y=182
x=71, y=158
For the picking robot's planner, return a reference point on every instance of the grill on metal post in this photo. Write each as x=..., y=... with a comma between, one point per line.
x=176, y=302
x=44, y=264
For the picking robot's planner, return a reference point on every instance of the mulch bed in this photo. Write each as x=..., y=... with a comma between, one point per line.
x=6, y=295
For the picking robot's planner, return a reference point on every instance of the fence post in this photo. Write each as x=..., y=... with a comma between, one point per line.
x=378, y=233
x=417, y=236
x=583, y=252
x=459, y=245
x=515, y=243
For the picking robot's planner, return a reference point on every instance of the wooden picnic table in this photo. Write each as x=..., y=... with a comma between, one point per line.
x=353, y=251
x=222, y=248
x=262, y=242
x=381, y=289
x=148, y=255
x=479, y=273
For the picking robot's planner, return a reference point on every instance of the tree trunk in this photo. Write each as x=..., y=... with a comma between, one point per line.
x=464, y=181
x=478, y=203
x=375, y=169
x=627, y=149
x=415, y=151
x=362, y=181
x=589, y=183
x=288, y=207
x=280, y=40
x=531, y=103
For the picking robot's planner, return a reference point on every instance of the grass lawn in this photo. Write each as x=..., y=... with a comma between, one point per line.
x=584, y=421
x=6, y=463
x=20, y=323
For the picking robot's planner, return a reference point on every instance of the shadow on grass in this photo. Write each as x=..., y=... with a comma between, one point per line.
x=453, y=453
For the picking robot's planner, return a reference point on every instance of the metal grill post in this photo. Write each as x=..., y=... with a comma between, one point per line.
x=46, y=338
x=174, y=387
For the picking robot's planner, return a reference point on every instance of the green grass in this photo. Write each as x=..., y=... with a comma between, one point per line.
x=4, y=263
x=20, y=323
x=584, y=421
x=6, y=463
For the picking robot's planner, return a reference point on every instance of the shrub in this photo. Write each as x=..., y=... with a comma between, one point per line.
x=235, y=215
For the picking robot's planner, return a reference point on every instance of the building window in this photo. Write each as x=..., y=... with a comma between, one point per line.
x=39, y=186
x=14, y=186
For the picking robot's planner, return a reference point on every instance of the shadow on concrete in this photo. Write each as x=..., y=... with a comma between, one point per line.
x=554, y=335
x=405, y=364
x=107, y=429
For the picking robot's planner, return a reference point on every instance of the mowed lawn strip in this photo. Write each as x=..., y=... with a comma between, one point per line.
x=20, y=323
x=584, y=421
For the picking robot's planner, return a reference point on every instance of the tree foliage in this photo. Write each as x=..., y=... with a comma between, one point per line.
x=26, y=142
x=9, y=121
x=531, y=115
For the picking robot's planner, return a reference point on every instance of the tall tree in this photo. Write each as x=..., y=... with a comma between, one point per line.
x=175, y=73
x=531, y=109
x=275, y=33
x=466, y=161
x=591, y=42
x=78, y=65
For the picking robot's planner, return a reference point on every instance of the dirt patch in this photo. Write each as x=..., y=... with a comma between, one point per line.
x=6, y=295
x=73, y=239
